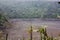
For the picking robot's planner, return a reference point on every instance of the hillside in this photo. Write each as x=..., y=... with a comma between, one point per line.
x=31, y=9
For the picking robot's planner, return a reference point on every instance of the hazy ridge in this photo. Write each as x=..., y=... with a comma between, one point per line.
x=30, y=9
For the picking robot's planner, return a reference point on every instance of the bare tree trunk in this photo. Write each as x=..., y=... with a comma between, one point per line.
x=31, y=34
x=7, y=36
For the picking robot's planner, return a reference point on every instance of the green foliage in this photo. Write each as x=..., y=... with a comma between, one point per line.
x=3, y=26
x=43, y=33
x=30, y=31
x=2, y=21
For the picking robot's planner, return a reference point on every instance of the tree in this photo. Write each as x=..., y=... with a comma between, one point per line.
x=30, y=32
x=43, y=33
x=4, y=25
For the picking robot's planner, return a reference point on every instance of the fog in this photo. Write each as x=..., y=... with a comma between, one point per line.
x=7, y=2
x=29, y=0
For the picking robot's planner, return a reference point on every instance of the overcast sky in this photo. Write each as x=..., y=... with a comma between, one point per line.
x=29, y=0
x=14, y=1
